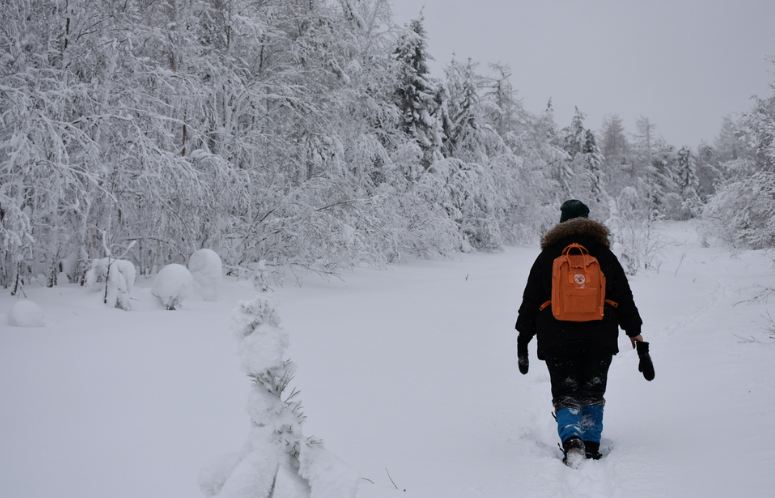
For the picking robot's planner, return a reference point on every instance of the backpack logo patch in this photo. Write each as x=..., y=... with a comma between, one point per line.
x=580, y=279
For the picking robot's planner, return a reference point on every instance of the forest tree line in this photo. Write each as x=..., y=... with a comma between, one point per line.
x=311, y=133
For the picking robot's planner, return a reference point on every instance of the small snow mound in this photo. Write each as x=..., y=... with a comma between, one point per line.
x=206, y=267
x=25, y=313
x=172, y=285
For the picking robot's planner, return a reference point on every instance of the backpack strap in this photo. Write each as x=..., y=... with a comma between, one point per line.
x=544, y=305
x=613, y=303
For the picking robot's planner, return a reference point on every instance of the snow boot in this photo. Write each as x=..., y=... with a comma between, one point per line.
x=592, y=450
x=573, y=452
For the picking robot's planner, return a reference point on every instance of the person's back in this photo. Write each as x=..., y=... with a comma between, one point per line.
x=577, y=353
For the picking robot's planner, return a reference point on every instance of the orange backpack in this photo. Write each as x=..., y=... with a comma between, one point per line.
x=578, y=286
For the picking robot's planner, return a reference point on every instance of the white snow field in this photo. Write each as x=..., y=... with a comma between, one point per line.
x=409, y=375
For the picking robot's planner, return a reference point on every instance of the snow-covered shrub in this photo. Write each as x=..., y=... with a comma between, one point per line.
x=98, y=271
x=206, y=268
x=742, y=212
x=172, y=285
x=634, y=237
x=278, y=460
x=25, y=313
x=115, y=277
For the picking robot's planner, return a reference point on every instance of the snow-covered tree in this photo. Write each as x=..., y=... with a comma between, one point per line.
x=685, y=171
x=415, y=92
x=615, y=148
x=709, y=171
x=461, y=107
x=646, y=144
x=742, y=210
x=278, y=460
x=728, y=144
x=503, y=109
x=658, y=186
x=759, y=133
x=298, y=133
x=635, y=240
x=582, y=174
x=593, y=168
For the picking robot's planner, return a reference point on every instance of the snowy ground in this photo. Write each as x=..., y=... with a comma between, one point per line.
x=409, y=371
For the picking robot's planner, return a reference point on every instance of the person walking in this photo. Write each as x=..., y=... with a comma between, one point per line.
x=576, y=298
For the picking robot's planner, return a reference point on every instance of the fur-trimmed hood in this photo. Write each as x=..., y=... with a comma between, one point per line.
x=581, y=228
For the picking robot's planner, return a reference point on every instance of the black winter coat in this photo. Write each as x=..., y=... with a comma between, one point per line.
x=561, y=339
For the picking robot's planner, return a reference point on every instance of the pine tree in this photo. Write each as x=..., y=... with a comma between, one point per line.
x=645, y=146
x=658, y=184
x=593, y=161
x=461, y=106
x=708, y=170
x=415, y=95
x=583, y=170
x=759, y=129
x=574, y=134
x=502, y=109
x=615, y=148
x=687, y=182
x=278, y=460
x=728, y=144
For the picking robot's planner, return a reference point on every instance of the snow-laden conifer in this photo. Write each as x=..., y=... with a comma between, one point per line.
x=688, y=184
x=415, y=92
x=278, y=460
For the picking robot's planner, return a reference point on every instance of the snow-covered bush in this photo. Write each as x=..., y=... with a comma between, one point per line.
x=206, y=268
x=742, y=212
x=172, y=285
x=278, y=460
x=115, y=277
x=635, y=240
x=98, y=271
x=25, y=313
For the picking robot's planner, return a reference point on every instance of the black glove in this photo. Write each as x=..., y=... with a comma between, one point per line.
x=522, y=360
x=645, y=365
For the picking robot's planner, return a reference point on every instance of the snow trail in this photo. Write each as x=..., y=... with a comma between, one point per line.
x=437, y=397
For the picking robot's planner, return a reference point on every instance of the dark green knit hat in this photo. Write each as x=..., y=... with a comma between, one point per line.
x=573, y=209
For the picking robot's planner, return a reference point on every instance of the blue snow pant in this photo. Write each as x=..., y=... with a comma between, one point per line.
x=578, y=386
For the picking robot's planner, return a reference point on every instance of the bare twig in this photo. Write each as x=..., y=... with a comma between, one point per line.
x=274, y=482
x=771, y=325
x=392, y=481
x=763, y=295
x=683, y=256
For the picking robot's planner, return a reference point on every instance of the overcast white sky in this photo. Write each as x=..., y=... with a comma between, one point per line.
x=683, y=63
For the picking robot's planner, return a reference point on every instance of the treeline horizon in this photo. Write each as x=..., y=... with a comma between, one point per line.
x=310, y=134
